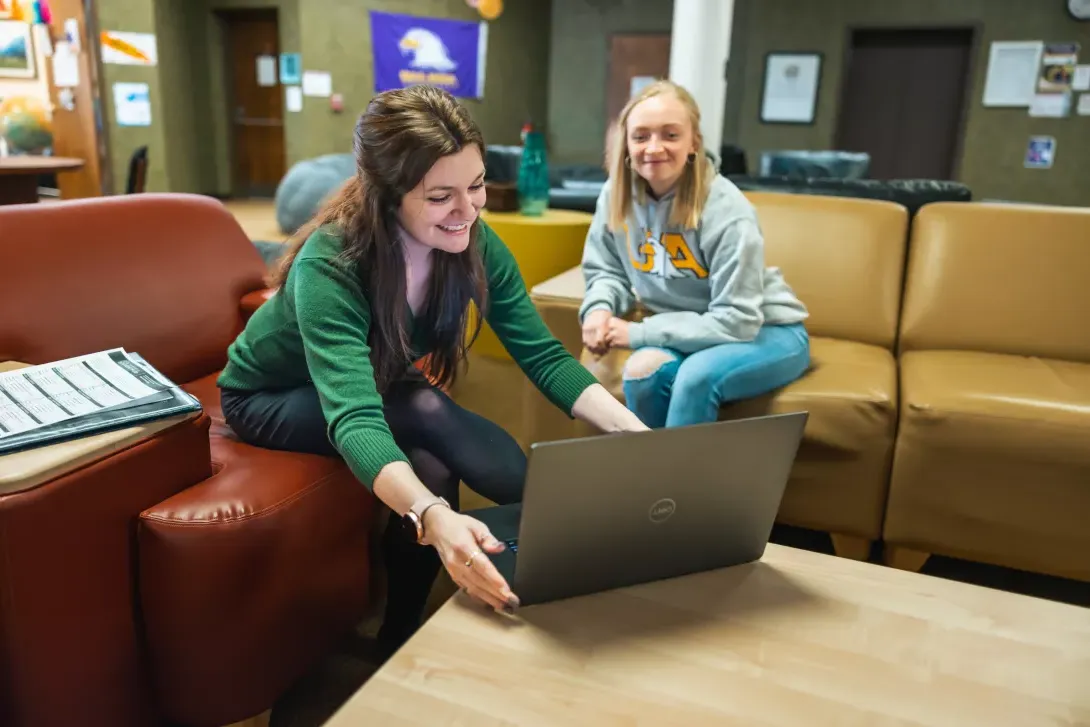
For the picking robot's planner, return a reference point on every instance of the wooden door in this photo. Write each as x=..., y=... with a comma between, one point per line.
x=904, y=101
x=637, y=55
x=255, y=106
x=76, y=132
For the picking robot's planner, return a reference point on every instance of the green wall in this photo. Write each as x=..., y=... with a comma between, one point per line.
x=579, y=68
x=995, y=139
x=515, y=77
x=136, y=16
x=183, y=74
x=189, y=141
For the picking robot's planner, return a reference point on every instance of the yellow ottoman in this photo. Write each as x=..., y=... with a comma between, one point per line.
x=543, y=247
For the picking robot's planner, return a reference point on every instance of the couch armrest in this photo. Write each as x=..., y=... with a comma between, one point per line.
x=69, y=628
x=557, y=301
x=254, y=300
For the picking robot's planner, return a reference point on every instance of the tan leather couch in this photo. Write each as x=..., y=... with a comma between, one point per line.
x=993, y=453
x=845, y=259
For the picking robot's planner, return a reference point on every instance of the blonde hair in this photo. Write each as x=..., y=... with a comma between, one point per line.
x=695, y=182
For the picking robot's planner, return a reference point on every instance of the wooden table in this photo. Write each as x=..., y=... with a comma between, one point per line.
x=23, y=470
x=19, y=175
x=798, y=638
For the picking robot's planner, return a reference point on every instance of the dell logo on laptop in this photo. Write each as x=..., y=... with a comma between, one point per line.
x=662, y=510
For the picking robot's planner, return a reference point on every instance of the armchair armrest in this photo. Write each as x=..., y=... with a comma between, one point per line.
x=68, y=622
x=254, y=300
x=557, y=301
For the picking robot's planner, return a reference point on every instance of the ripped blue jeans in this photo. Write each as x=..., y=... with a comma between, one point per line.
x=665, y=388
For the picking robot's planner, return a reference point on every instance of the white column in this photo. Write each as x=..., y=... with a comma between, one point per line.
x=699, y=48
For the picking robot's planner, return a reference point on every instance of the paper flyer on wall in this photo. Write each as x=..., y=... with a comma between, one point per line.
x=84, y=395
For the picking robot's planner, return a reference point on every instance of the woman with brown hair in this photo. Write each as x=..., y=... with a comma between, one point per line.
x=381, y=277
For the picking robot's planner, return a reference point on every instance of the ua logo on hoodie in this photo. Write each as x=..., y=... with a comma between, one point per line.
x=668, y=256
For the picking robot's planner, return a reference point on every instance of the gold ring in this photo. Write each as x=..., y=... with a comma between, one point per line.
x=469, y=563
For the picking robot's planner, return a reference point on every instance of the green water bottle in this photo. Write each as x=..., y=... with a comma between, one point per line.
x=533, y=182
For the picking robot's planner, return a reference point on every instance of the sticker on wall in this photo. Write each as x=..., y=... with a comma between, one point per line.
x=65, y=66
x=293, y=99
x=317, y=83
x=266, y=71
x=1041, y=152
x=1058, y=67
x=129, y=49
x=1050, y=105
x=1081, y=81
x=72, y=34
x=132, y=104
x=291, y=68
x=1083, y=108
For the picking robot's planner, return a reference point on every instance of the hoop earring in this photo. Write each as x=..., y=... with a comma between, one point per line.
x=692, y=157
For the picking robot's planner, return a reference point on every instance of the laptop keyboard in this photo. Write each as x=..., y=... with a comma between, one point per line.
x=512, y=545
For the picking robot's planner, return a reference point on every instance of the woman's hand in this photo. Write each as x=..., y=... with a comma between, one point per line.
x=595, y=328
x=617, y=333
x=463, y=544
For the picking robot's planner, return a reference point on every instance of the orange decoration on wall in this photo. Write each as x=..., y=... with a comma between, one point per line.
x=490, y=9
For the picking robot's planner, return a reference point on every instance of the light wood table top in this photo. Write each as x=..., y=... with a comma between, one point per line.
x=799, y=638
x=27, y=164
x=28, y=468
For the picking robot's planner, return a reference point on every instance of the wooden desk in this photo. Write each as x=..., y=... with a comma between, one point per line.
x=798, y=638
x=23, y=470
x=19, y=175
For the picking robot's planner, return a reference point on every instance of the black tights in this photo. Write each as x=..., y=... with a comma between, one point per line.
x=445, y=444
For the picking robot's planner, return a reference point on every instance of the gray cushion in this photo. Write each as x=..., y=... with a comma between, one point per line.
x=306, y=185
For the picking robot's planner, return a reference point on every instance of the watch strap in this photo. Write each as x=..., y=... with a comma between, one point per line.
x=420, y=509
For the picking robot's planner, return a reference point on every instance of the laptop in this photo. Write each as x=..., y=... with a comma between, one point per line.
x=620, y=509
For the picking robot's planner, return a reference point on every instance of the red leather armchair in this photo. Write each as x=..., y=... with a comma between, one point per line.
x=189, y=579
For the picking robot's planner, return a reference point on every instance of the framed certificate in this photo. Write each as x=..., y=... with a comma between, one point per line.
x=790, y=88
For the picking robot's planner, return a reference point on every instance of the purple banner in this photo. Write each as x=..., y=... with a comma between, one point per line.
x=410, y=51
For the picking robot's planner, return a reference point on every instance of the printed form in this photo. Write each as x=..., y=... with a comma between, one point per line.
x=38, y=396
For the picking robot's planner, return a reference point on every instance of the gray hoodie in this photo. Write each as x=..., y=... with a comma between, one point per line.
x=705, y=286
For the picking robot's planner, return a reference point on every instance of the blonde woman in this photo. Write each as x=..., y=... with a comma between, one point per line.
x=723, y=326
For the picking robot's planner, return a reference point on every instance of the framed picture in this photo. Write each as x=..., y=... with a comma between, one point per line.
x=16, y=50
x=790, y=91
x=7, y=9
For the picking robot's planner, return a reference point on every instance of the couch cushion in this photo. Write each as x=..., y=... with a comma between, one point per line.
x=256, y=570
x=158, y=274
x=844, y=258
x=999, y=279
x=850, y=392
x=993, y=460
x=1033, y=407
x=840, y=475
x=848, y=382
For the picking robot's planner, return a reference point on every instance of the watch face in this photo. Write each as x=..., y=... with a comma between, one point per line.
x=408, y=527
